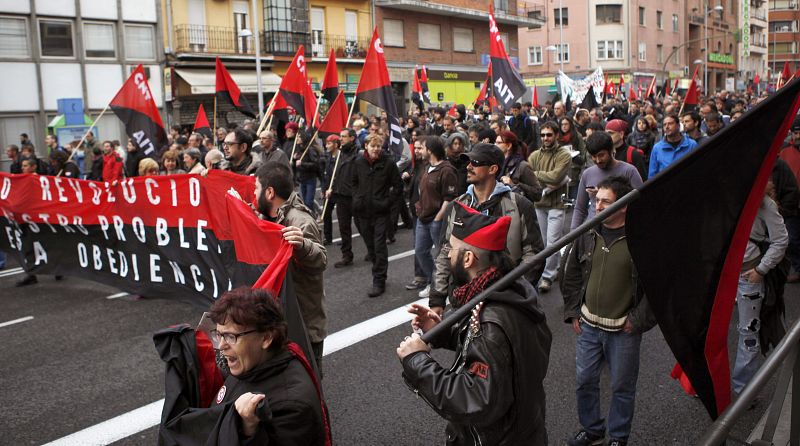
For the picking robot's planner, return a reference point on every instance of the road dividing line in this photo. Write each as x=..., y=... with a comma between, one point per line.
x=16, y=321
x=11, y=272
x=148, y=416
x=115, y=296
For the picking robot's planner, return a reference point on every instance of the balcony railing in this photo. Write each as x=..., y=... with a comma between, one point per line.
x=211, y=39
x=345, y=47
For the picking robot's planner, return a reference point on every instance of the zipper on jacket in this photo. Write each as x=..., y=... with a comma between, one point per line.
x=476, y=436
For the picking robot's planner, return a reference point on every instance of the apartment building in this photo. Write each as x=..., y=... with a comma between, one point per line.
x=61, y=49
x=449, y=37
x=784, y=35
x=753, y=26
x=712, y=37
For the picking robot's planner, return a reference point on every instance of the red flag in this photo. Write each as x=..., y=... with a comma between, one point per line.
x=310, y=104
x=336, y=119
x=375, y=87
x=651, y=88
x=535, y=97
x=507, y=83
x=135, y=107
x=416, y=91
x=295, y=83
x=631, y=94
x=621, y=83
x=691, y=93
x=226, y=89
x=675, y=87
x=201, y=123
x=612, y=90
x=639, y=90
x=330, y=83
x=605, y=84
x=785, y=75
x=452, y=112
x=756, y=80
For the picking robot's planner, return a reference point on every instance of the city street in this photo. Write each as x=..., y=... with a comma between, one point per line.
x=86, y=356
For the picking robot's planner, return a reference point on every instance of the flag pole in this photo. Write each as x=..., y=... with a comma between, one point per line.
x=86, y=134
x=458, y=314
x=309, y=145
x=215, y=115
x=330, y=186
x=350, y=115
x=268, y=113
x=316, y=112
x=294, y=145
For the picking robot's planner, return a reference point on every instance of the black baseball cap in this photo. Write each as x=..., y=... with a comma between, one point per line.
x=486, y=154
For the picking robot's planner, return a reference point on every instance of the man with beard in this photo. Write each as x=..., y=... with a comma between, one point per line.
x=341, y=192
x=608, y=312
x=493, y=394
x=376, y=183
x=601, y=148
x=674, y=146
x=691, y=126
x=713, y=123
x=491, y=197
x=237, y=147
x=277, y=202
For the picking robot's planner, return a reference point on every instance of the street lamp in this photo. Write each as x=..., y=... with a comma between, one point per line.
x=247, y=33
x=708, y=12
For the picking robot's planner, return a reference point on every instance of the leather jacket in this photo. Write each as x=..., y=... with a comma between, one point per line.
x=493, y=392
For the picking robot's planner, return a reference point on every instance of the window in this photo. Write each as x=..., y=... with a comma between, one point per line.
x=660, y=19
x=561, y=17
x=674, y=23
x=676, y=59
x=641, y=15
x=140, y=42
x=609, y=14
x=609, y=49
x=14, y=37
x=462, y=40
x=535, y=55
x=563, y=54
x=99, y=40
x=504, y=38
x=781, y=47
x=642, y=51
x=501, y=5
x=429, y=36
x=56, y=38
x=778, y=26
x=660, y=53
x=393, y=33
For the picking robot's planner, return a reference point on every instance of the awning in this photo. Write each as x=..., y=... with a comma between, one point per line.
x=203, y=81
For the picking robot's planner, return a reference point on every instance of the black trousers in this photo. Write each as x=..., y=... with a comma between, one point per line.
x=399, y=208
x=344, y=212
x=327, y=219
x=373, y=231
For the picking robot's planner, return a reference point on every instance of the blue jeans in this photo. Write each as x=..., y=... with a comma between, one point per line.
x=749, y=298
x=551, y=225
x=308, y=188
x=620, y=350
x=425, y=237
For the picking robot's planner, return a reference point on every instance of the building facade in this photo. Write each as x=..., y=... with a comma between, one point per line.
x=72, y=49
x=753, y=26
x=449, y=37
x=712, y=36
x=784, y=36
x=196, y=32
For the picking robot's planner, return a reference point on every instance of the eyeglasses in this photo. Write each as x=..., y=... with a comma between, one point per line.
x=479, y=163
x=546, y=135
x=228, y=144
x=230, y=338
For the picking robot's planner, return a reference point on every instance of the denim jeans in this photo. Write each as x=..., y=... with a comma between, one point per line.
x=551, y=225
x=749, y=297
x=425, y=237
x=308, y=189
x=620, y=350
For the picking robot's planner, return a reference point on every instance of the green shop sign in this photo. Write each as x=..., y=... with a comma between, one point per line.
x=720, y=58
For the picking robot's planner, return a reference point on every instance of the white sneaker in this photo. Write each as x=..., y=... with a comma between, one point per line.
x=425, y=292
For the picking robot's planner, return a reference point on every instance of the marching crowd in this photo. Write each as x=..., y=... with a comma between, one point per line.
x=483, y=190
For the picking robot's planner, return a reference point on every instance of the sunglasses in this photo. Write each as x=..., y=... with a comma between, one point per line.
x=478, y=163
x=547, y=135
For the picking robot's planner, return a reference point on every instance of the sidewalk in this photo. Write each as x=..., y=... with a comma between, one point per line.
x=781, y=437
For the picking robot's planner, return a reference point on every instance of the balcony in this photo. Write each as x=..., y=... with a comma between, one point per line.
x=211, y=40
x=525, y=14
x=344, y=47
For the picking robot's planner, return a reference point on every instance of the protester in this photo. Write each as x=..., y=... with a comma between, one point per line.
x=376, y=182
x=616, y=129
x=670, y=149
x=493, y=393
x=237, y=147
x=277, y=202
x=148, y=167
x=12, y=153
x=608, y=312
x=214, y=160
x=643, y=138
x=487, y=195
x=516, y=173
x=63, y=167
x=251, y=334
x=191, y=161
x=307, y=168
x=332, y=153
x=341, y=193
x=169, y=163
x=551, y=165
x=454, y=149
x=112, y=164
x=132, y=160
x=91, y=149
x=412, y=180
x=270, y=150
x=691, y=126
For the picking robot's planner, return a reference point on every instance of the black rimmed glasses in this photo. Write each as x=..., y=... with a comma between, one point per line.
x=230, y=338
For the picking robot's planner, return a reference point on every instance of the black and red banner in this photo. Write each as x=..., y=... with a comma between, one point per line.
x=178, y=237
x=336, y=118
x=688, y=232
x=135, y=107
x=227, y=90
x=416, y=92
x=330, y=82
x=423, y=83
x=201, y=124
x=375, y=87
x=295, y=84
x=508, y=84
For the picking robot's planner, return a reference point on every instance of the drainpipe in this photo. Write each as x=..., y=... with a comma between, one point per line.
x=171, y=49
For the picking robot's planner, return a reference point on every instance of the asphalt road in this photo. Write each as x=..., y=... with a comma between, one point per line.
x=83, y=359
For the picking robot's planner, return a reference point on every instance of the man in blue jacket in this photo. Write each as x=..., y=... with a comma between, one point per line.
x=670, y=149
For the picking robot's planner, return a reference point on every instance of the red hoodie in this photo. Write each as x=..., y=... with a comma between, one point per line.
x=112, y=167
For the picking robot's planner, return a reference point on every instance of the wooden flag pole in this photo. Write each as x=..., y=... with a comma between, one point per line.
x=316, y=112
x=86, y=134
x=294, y=145
x=330, y=186
x=215, y=116
x=350, y=115
x=308, y=146
x=268, y=113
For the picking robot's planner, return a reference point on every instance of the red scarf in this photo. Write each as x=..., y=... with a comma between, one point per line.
x=466, y=292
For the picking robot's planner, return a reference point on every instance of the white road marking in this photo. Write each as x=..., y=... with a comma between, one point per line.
x=145, y=417
x=401, y=255
x=114, y=296
x=11, y=272
x=16, y=321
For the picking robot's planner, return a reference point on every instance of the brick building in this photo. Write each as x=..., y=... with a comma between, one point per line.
x=784, y=35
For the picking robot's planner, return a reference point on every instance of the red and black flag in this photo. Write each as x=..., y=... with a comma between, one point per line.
x=310, y=104
x=621, y=87
x=375, y=87
x=416, y=92
x=651, y=90
x=486, y=96
x=665, y=88
x=294, y=84
x=508, y=84
x=227, y=90
x=423, y=82
x=690, y=101
x=785, y=75
x=201, y=125
x=330, y=83
x=336, y=118
x=690, y=276
x=135, y=107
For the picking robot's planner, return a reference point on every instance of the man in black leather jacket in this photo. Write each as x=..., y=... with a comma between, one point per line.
x=493, y=393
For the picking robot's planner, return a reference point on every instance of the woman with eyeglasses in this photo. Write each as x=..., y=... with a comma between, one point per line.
x=569, y=137
x=515, y=172
x=258, y=364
